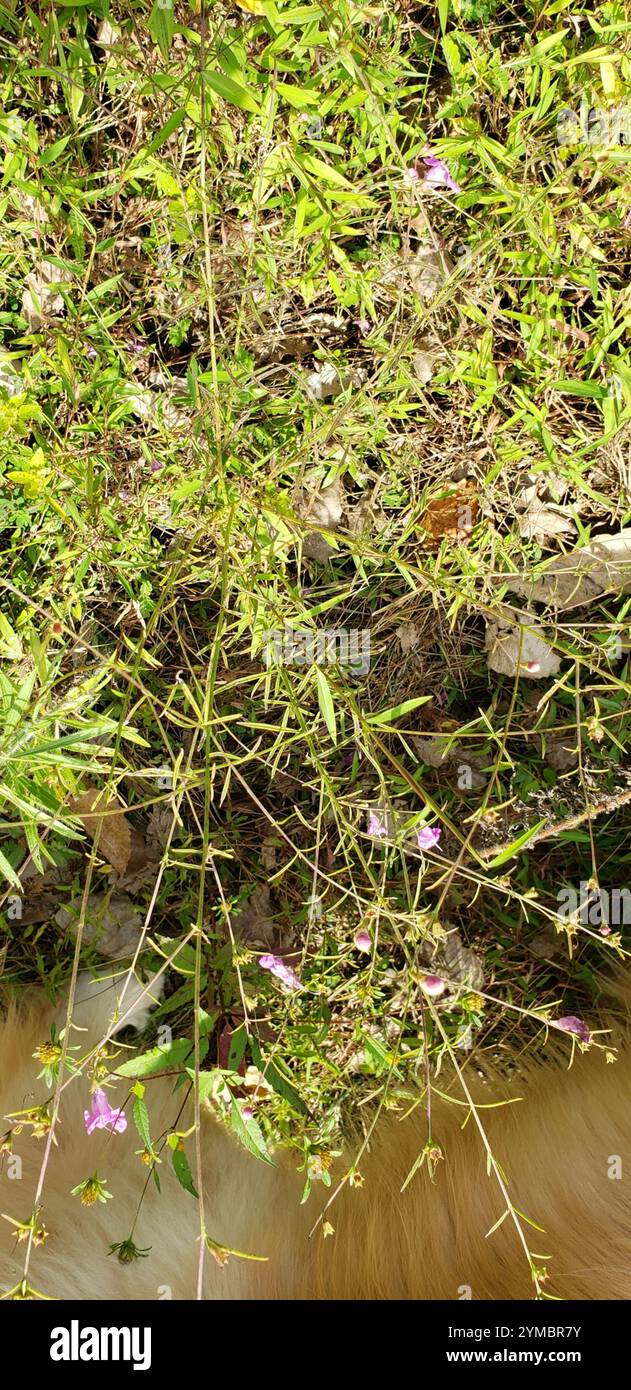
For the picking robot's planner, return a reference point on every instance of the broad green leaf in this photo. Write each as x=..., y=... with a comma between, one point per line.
x=206, y=1081
x=157, y=1059
x=181, y=1165
x=140, y=1116
x=249, y=1132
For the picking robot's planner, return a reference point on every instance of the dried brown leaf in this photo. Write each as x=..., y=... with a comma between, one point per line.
x=105, y=821
x=451, y=518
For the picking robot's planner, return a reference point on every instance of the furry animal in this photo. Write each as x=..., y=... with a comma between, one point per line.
x=565, y=1150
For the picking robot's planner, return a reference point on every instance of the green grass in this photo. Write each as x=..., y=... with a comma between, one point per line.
x=227, y=202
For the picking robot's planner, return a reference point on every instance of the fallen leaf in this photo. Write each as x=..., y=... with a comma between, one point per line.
x=325, y=383
x=541, y=520
x=451, y=518
x=105, y=822
x=324, y=507
x=41, y=300
x=428, y=271
x=561, y=754
x=434, y=752
x=423, y=366
x=161, y=819
x=461, y=962
x=106, y=34
x=112, y=924
x=582, y=575
x=253, y=923
x=515, y=649
x=463, y=769
x=409, y=637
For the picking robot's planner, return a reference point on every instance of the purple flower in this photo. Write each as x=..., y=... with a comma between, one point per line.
x=376, y=826
x=571, y=1024
x=363, y=941
x=284, y=973
x=438, y=175
x=155, y=465
x=428, y=836
x=364, y=326
x=101, y=1115
x=433, y=986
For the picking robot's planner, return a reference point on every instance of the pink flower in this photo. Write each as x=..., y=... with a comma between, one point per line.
x=284, y=973
x=376, y=825
x=605, y=930
x=433, y=986
x=364, y=326
x=247, y=1112
x=428, y=836
x=101, y=1115
x=438, y=175
x=571, y=1024
x=411, y=174
x=532, y=666
x=363, y=941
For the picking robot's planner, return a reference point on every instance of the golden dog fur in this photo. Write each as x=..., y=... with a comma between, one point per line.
x=555, y=1147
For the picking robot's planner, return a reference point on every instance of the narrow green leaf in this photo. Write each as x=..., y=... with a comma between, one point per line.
x=515, y=846
x=324, y=171
x=396, y=711
x=161, y=25
x=277, y=1080
x=166, y=130
x=232, y=91
x=10, y=643
x=53, y=150
x=9, y=872
x=298, y=96
x=325, y=701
